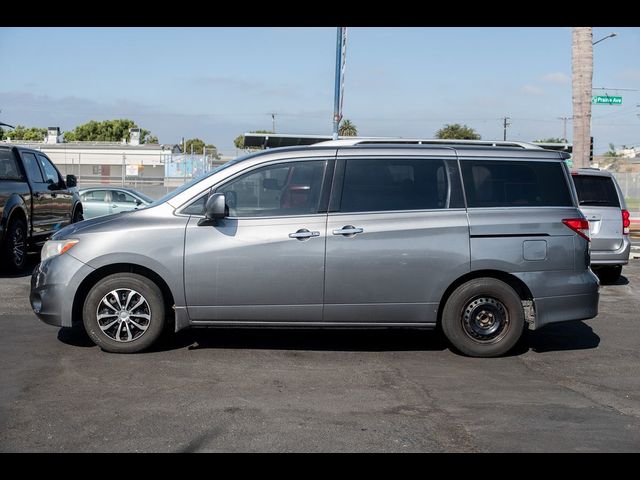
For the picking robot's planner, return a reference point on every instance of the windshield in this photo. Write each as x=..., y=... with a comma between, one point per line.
x=191, y=183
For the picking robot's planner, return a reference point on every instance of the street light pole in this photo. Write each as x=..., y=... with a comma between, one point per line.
x=612, y=34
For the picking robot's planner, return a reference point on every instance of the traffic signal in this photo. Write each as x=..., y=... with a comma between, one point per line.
x=591, y=150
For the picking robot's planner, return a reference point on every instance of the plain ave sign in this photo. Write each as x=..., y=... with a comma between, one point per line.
x=606, y=99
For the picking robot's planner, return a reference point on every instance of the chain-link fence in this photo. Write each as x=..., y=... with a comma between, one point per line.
x=177, y=170
x=630, y=186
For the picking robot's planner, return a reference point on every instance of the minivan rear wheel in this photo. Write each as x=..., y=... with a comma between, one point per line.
x=124, y=313
x=483, y=318
x=609, y=274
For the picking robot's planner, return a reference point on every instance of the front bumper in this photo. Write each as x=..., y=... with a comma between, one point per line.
x=53, y=286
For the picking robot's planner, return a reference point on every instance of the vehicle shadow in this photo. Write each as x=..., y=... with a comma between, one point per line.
x=622, y=280
x=75, y=336
x=572, y=335
x=347, y=340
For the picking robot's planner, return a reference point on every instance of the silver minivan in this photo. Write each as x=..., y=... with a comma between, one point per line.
x=480, y=242
x=602, y=202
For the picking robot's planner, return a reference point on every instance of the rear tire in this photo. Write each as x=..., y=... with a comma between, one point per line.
x=14, y=248
x=131, y=311
x=609, y=274
x=483, y=318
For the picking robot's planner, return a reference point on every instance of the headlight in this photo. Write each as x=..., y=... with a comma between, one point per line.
x=52, y=248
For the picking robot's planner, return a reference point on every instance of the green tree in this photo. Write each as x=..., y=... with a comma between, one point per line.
x=347, y=129
x=457, y=131
x=198, y=146
x=239, y=140
x=23, y=133
x=612, y=151
x=551, y=140
x=107, y=131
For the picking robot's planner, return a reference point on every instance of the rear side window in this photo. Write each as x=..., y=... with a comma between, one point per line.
x=31, y=165
x=596, y=191
x=397, y=184
x=8, y=166
x=94, y=196
x=490, y=183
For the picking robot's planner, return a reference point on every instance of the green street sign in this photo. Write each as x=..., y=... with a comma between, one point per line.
x=606, y=99
x=569, y=162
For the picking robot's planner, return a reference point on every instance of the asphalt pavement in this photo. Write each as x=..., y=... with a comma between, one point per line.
x=571, y=387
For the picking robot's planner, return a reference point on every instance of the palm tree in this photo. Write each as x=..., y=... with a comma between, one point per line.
x=348, y=129
x=582, y=78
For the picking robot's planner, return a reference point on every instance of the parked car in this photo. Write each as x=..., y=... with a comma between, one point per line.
x=35, y=202
x=603, y=204
x=98, y=201
x=480, y=241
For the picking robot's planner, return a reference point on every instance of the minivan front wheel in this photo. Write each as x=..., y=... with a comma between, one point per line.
x=124, y=313
x=483, y=318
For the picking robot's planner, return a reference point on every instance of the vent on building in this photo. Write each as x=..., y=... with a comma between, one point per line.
x=134, y=136
x=53, y=135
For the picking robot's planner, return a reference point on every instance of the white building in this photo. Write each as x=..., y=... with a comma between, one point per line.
x=105, y=161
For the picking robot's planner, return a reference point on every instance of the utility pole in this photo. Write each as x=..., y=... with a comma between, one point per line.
x=273, y=123
x=565, y=127
x=504, y=126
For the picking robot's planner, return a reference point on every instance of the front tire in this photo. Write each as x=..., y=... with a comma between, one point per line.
x=483, y=318
x=124, y=313
x=14, y=250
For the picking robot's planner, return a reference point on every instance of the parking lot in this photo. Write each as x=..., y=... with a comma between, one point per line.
x=568, y=387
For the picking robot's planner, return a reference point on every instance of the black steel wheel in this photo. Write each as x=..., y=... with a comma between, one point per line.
x=483, y=318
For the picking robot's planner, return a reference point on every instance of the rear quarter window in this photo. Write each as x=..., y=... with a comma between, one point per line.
x=519, y=183
x=596, y=191
x=8, y=167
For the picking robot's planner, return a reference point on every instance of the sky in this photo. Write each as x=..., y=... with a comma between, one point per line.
x=217, y=83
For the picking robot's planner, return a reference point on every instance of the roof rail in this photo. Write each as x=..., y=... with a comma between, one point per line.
x=349, y=142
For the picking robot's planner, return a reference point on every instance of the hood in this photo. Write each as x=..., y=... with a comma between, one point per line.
x=86, y=225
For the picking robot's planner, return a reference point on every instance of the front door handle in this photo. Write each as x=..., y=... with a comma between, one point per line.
x=348, y=230
x=304, y=233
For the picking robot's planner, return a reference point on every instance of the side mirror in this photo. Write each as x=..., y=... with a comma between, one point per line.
x=72, y=181
x=138, y=202
x=215, y=208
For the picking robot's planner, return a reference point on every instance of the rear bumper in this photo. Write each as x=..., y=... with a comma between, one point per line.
x=562, y=296
x=565, y=308
x=614, y=257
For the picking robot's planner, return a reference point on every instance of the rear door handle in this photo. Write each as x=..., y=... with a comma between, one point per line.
x=304, y=233
x=348, y=230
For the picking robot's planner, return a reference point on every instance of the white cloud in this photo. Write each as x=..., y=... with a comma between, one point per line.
x=557, y=78
x=532, y=90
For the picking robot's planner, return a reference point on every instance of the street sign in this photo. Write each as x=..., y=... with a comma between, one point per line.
x=606, y=99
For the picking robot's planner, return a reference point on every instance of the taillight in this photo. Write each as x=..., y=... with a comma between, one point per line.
x=626, y=222
x=578, y=225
